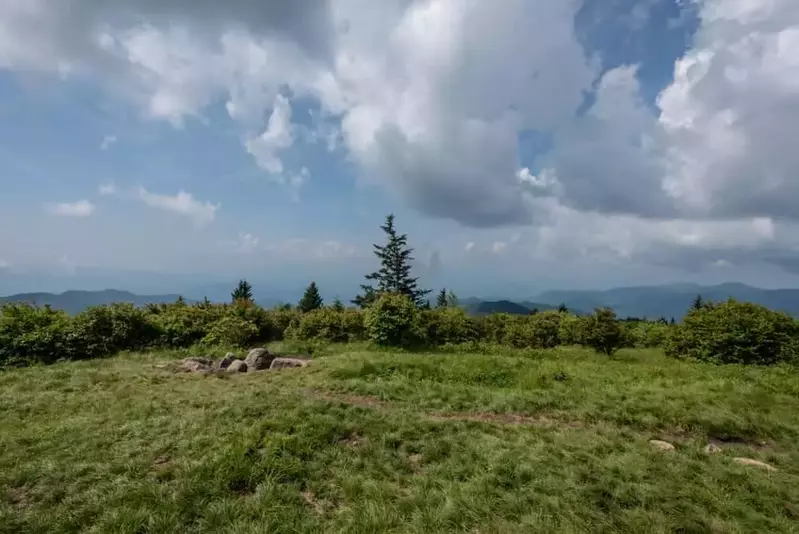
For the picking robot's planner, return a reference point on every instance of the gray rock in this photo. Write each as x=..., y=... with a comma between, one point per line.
x=711, y=448
x=237, y=366
x=282, y=363
x=664, y=446
x=196, y=365
x=225, y=362
x=755, y=463
x=258, y=360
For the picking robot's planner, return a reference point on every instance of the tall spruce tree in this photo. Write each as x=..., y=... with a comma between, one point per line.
x=338, y=305
x=698, y=303
x=243, y=292
x=394, y=275
x=311, y=300
x=442, y=300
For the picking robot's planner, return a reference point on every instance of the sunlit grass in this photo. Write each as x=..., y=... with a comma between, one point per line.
x=364, y=441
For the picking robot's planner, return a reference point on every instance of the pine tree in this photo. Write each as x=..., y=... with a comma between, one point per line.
x=311, y=300
x=394, y=275
x=698, y=303
x=562, y=308
x=442, y=301
x=338, y=305
x=242, y=293
x=452, y=299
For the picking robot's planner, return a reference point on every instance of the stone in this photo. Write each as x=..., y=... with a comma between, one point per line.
x=711, y=448
x=225, y=362
x=282, y=363
x=237, y=366
x=258, y=360
x=663, y=446
x=196, y=365
x=755, y=463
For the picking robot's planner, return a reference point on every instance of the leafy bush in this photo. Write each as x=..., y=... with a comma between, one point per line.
x=29, y=334
x=327, y=324
x=735, y=332
x=494, y=328
x=603, y=332
x=101, y=331
x=393, y=321
x=647, y=334
x=279, y=320
x=448, y=325
x=541, y=330
x=181, y=325
x=572, y=329
x=231, y=331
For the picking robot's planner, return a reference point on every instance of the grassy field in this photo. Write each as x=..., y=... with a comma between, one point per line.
x=554, y=441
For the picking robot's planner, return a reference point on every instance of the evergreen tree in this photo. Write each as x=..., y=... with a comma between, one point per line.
x=242, y=293
x=562, y=308
x=338, y=305
x=698, y=303
x=672, y=322
x=311, y=300
x=394, y=275
x=442, y=301
x=452, y=299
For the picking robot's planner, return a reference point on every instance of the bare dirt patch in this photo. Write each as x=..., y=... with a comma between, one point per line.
x=350, y=398
x=502, y=418
x=317, y=505
x=19, y=496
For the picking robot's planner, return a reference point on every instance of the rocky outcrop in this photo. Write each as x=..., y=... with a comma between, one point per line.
x=258, y=360
x=283, y=363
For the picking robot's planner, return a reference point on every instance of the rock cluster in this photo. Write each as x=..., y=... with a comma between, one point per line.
x=258, y=359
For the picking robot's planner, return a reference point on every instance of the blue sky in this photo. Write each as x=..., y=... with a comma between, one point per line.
x=157, y=145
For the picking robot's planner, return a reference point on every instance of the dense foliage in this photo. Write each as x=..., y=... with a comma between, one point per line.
x=735, y=332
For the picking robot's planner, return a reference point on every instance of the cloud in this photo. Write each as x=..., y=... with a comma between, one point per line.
x=4, y=264
x=247, y=243
x=108, y=140
x=182, y=203
x=79, y=208
x=498, y=247
x=109, y=189
x=469, y=246
x=430, y=99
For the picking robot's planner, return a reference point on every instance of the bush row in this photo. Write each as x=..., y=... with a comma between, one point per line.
x=729, y=332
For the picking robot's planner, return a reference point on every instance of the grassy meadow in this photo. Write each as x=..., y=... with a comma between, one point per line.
x=364, y=441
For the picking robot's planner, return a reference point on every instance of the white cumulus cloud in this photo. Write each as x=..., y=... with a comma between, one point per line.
x=79, y=208
x=183, y=203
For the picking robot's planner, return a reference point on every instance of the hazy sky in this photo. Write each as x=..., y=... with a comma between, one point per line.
x=522, y=144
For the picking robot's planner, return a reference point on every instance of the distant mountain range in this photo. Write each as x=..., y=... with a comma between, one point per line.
x=77, y=301
x=645, y=302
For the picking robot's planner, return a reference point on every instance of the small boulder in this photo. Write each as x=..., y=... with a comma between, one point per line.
x=663, y=446
x=282, y=363
x=711, y=448
x=225, y=362
x=196, y=365
x=258, y=360
x=237, y=366
x=755, y=463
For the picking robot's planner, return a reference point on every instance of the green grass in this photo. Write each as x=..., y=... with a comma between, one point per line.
x=360, y=441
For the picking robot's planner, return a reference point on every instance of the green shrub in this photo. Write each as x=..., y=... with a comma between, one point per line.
x=327, y=324
x=735, y=332
x=448, y=325
x=572, y=329
x=494, y=328
x=181, y=325
x=603, y=332
x=29, y=334
x=231, y=331
x=393, y=321
x=101, y=331
x=647, y=334
x=279, y=320
x=541, y=331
